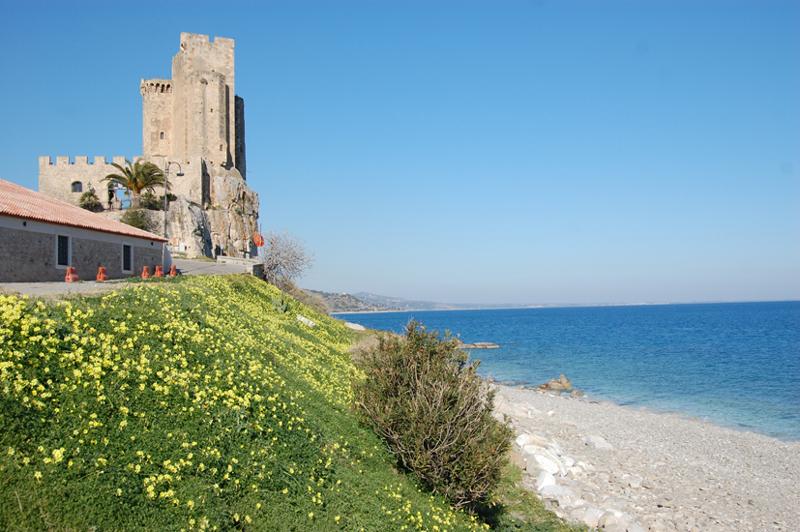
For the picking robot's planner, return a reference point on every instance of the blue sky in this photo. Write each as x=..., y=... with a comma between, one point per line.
x=519, y=152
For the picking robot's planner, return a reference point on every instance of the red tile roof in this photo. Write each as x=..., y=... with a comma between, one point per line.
x=21, y=202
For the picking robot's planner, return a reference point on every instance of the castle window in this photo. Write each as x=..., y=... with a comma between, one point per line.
x=77, y=186
x=161, y=135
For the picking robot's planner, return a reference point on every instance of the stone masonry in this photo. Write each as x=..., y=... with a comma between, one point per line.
x=196, y=120
x=29, y=256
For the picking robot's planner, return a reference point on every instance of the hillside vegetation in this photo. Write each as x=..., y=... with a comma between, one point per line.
x=200, y=403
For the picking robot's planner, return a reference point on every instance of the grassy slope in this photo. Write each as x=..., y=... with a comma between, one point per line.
x=195, y=403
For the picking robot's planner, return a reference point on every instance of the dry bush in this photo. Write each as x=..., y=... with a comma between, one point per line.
x=422, y=396
x=285, y=259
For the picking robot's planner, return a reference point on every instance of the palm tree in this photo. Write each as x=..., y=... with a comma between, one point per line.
x=137, y=178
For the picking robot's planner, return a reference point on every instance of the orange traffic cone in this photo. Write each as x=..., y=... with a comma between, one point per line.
x=159, y=272
x=101, y=274
x=173, y=271
x=145, y=272
x=71, y=276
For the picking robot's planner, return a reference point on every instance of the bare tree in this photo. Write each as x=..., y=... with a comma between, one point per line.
x=285, y=259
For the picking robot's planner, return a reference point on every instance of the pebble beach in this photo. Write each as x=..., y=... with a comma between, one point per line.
x=629, y=469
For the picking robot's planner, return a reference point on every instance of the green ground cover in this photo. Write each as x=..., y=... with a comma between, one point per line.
x=194, y=403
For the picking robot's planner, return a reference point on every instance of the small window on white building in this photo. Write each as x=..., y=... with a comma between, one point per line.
x=161, y=135
x=63, y=251
x=127, y=258
x=77, y=186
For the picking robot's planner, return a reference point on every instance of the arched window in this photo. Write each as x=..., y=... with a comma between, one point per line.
x=161, y=135
x=77, y=186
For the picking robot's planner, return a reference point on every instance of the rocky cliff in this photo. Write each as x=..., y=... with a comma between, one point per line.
x=224, y=225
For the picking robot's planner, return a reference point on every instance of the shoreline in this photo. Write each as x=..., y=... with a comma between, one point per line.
x=633, y=468
x=679, y=414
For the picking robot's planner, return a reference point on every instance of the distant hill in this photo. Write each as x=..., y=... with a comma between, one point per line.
x=367, y=302
x=398, y=303
x=341, y=302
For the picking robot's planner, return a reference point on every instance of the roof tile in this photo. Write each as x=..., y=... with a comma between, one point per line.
x=21, y=202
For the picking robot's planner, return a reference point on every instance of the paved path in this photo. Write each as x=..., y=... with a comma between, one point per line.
x=61, y=289
x=207, y=267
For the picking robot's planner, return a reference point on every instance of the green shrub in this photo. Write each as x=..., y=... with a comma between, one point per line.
x=90, y=201
x=137, y=218
x=151, y=202
x=427, y=402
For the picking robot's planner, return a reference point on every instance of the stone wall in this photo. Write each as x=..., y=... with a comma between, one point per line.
x=56, y=179
x=31, y=255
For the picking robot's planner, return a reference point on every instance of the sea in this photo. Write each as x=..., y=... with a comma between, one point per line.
x=733, y=364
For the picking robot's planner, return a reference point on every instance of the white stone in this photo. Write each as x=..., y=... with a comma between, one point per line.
x=306, y=321
x=556, y=491
x=568, y=461
x=531, y=448
x=522, y=440
x=598, y=442
x=614, y=520
x=575, y=471
x=531, y=439
x=588, y=515
x=555, y=448
x=545, y=479
x=547, y=464
x=354, y=326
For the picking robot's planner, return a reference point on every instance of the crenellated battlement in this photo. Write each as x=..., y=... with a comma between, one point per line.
x=80, y=160
x=191, y=40
x=155, y=86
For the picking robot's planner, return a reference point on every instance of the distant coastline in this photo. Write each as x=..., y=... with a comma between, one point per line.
x=559, y=306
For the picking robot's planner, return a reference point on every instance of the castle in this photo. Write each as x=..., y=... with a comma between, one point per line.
x=196, y=120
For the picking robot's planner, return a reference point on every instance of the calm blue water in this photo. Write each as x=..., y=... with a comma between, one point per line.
x=735, y=364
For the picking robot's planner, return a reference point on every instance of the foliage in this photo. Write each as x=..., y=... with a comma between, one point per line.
x=137, y=178
x=435, y=414
x=189, y=403
x=151, y=202
x=137, y=218
x=519, y=507
x=90, y=201
x=279, y=304
x=285, y=259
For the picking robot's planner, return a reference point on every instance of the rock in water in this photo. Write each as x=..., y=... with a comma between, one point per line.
x=562, y=384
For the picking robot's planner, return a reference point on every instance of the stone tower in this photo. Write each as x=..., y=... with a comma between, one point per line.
x=196, y=114
x=196, y=120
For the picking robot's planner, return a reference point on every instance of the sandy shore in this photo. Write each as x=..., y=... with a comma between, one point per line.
x=631, y=469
